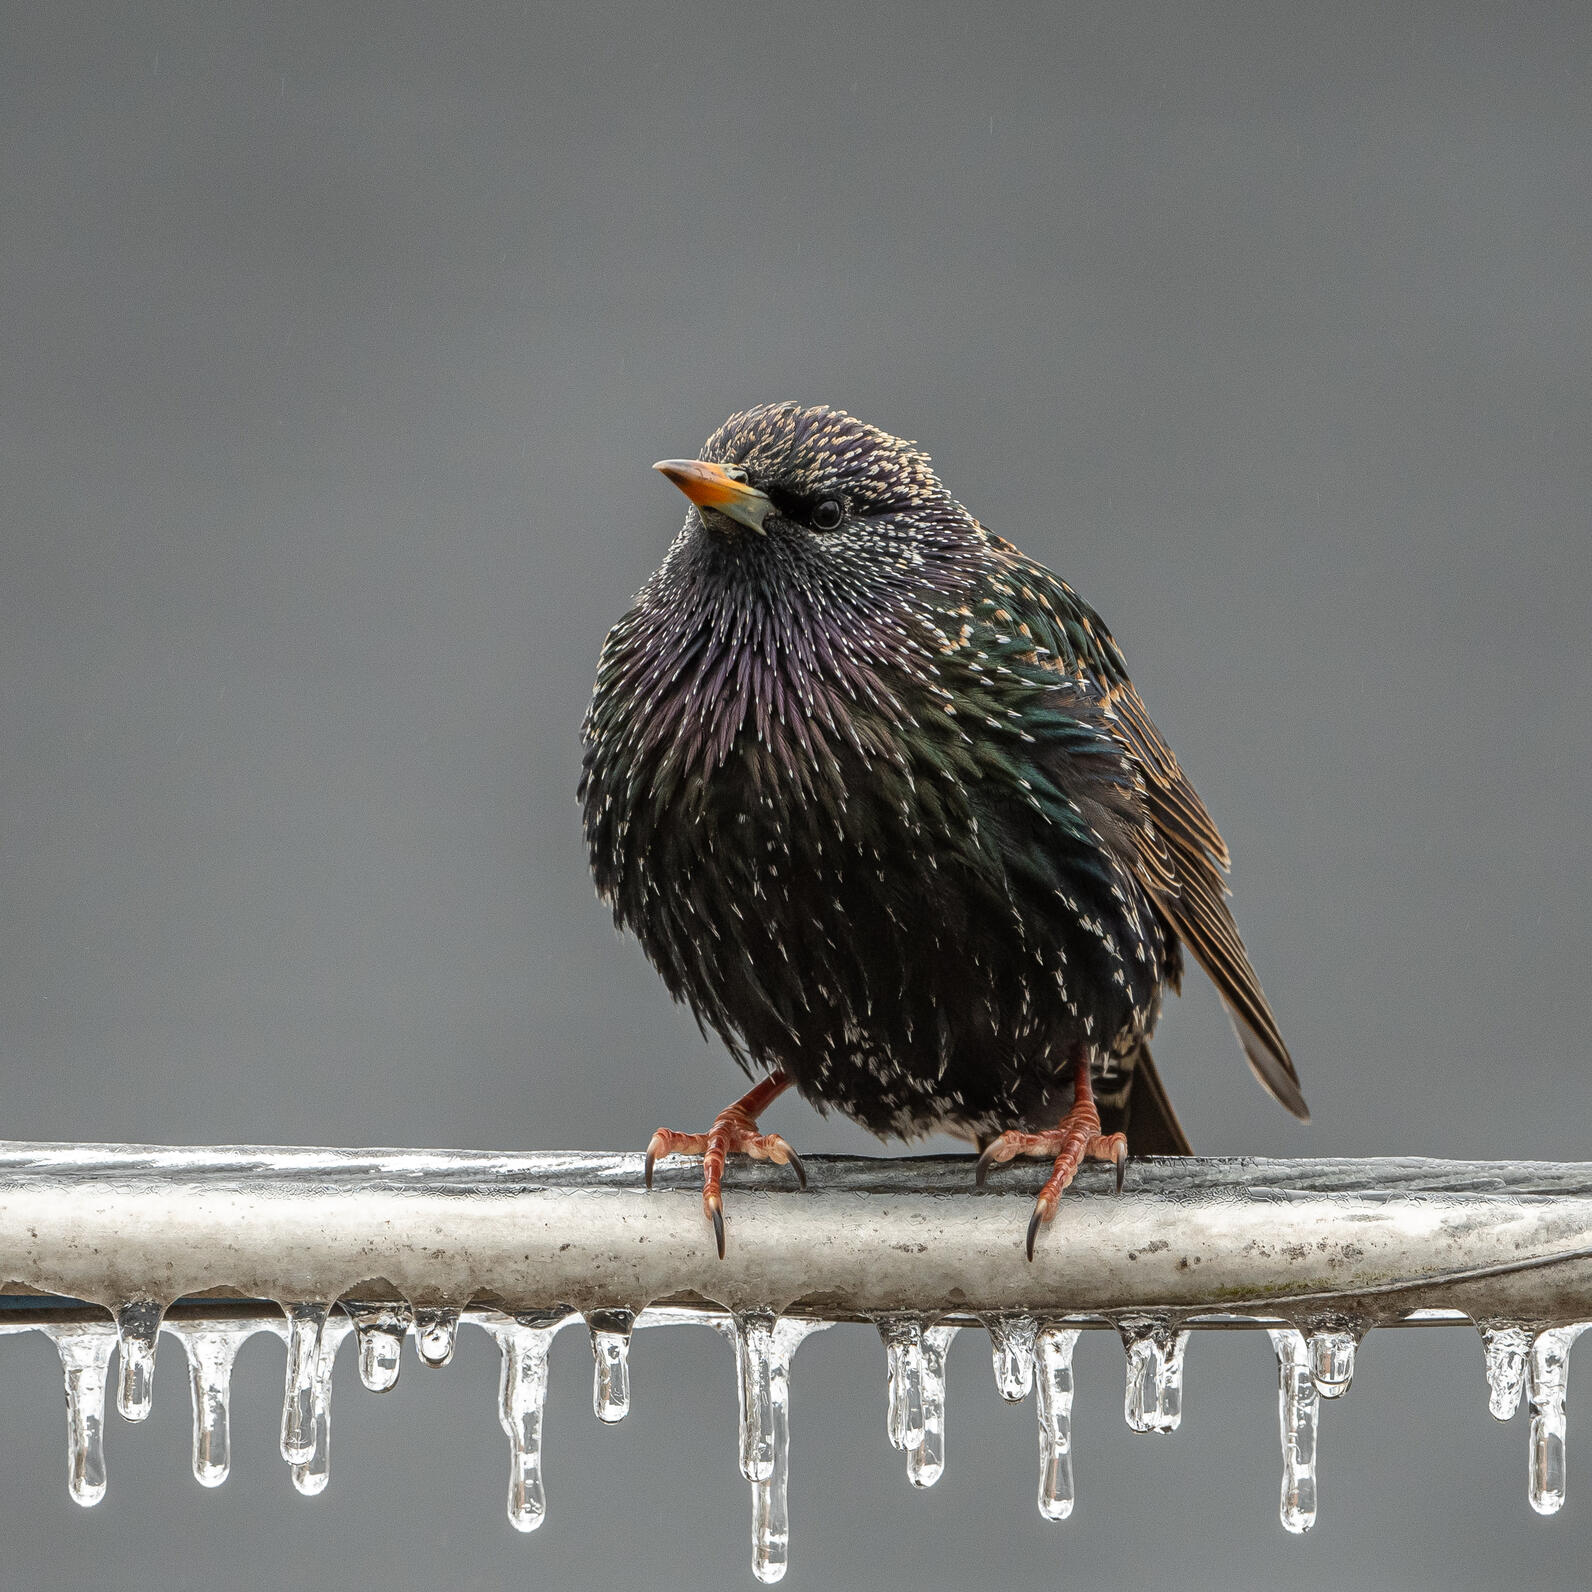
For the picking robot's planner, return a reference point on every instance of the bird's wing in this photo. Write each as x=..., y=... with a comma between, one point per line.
x=1178, y=854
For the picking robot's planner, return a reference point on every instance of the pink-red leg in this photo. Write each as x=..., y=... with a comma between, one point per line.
x=1074, y=1140
x=734, y=1132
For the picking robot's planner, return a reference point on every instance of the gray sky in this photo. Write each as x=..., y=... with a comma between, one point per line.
x=339, y=340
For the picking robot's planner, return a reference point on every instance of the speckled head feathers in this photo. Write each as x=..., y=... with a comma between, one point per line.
x=809, y=452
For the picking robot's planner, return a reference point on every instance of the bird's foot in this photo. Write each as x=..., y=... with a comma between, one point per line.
x=1076, y=1139
x=734, y=1132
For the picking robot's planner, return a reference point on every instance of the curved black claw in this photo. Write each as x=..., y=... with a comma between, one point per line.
x=718, y=1228
x=1122, y=1171
x=1034, y=1223
x=646, y=1171
x=797, y=1168
x=981, y=1170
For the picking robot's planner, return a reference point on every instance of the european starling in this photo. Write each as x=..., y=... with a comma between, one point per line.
x=875, y=793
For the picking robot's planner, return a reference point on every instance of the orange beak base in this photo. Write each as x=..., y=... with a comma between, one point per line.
x=711, y=486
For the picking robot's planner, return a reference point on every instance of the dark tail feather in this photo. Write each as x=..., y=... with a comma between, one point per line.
x=1147, y=1116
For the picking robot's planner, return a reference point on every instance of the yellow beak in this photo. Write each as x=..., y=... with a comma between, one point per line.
x=711, y=486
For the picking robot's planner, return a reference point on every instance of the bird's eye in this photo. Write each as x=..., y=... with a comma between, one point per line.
x=827, y=515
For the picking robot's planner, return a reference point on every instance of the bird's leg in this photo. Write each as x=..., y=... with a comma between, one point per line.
x=1075, y=1139
x=734, y=1131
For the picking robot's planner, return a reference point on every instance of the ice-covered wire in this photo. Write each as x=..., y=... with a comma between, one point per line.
x=109, y=1246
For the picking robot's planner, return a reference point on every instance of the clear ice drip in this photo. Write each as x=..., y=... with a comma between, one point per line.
x=1298, y=1405
x=610, y=1348
x=379, y=1328
x=1153, y=1396
x=137, y=1330
x=1332, y=1360
x=1053, y=1363
x=1011, y=1344
x=906, y=1420
x=770, y=1503
x=311, y=1475
x=436, y=1332
x=523, y=1342
x=85, y=1350
x=1546, y=1377
x=926, y=1462
x=1508, y=1349
x=752, y=1333
x=212, y=1348
x=305, y=1324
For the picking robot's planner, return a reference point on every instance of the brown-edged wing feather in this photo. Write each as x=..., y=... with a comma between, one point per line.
x=1178, y=854
x=1193, y=894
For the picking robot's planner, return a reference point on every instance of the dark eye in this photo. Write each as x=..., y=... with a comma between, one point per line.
x=827, y=515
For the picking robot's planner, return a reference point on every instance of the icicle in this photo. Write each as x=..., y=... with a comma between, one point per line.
x=1548, y=1372
x=1153, y=1397
x=85, y=1350
x=305, y=1323
x=379, y=1328
x=1011, y=1342
x=770, y=1501
x=752, y=1332
x=311, y=1475
x=905, y=1420
x=211, y=1348
x=1332, y=1360
x=436, y=1332
x=763, y=1348
x=522, y=1393
x=1053, y=1356
x=610, y=1347
x=1508, y=1349
x=926, y=1462
x=137, y=1330
x=1298, y=1404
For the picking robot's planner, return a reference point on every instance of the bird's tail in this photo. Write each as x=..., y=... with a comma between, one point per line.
x=1146, y=1115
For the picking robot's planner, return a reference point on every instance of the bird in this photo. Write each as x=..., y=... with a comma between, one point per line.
x=875, y=793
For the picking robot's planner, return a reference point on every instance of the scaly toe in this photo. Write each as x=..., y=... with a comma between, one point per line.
x=997, y=1153
x=666, y=1142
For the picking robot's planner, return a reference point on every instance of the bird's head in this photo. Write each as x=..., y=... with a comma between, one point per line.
x=811, y=489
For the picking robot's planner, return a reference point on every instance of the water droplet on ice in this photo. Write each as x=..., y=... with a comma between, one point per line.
x=1546, y=1379
x=1011, y=1342
x=1332, y=1361
x=137, y=1330
x=1298, y=1404
x=926, y=1462
x=905, y=1421
x=85, y=1350
x=1508, y=1349
x=211, y=1348
x=379, y=1328
x=436, y=1332
x=1153, y=1396
x=305, y=1323
x=1053, y=1374
x=610, y=1347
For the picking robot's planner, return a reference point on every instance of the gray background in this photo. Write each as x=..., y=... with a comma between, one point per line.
x=337, y=342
